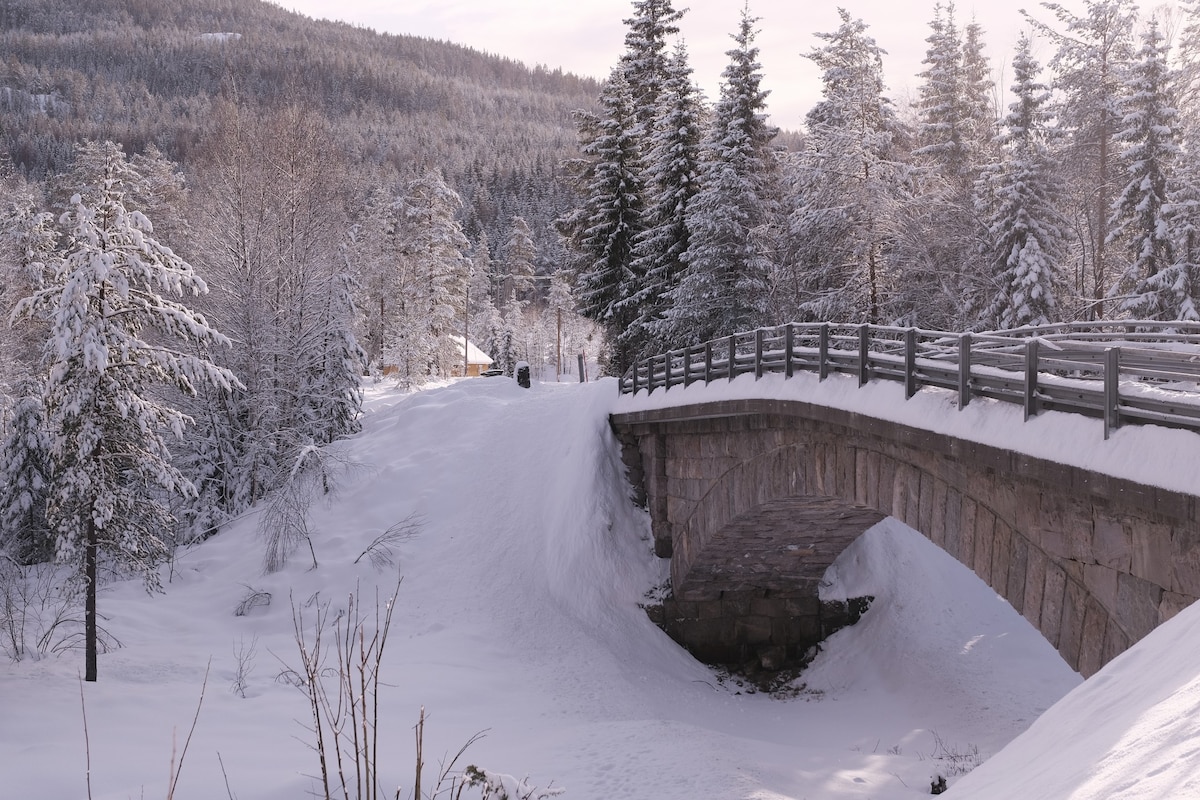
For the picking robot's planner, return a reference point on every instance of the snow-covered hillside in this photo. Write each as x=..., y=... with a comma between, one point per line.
x=519, y=614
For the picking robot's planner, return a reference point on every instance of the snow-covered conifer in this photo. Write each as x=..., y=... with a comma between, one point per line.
x=602, y=229
x=1026, y=232
x=25, y=473
x=724, y=286
x=672, y=174
x=850, y=187
x=1148, y=152
x=117, y=333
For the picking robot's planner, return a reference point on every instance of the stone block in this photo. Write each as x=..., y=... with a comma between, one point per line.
x=1070, y=636
x=1111, y=545
x=1091, y=646
x=1101, y=582
x=985, y=543
x=768, y=607
x=1001, y=558
x=966, y=532
x=1052, y=602
x=802, y=606
x=844, y=485
x=1115, y=641
x=711, y=609
x=1137, y=605
x=1171, y=604
x=887, y=486
x=926, y=505
x=937, y=518
x=1035, y=587
x=862, y=479
x=953, y=523
x=752, y=630
x=1185, y=561
x=1018, y=564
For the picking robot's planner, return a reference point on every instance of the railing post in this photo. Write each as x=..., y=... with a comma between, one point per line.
x=708, y=375
x=1112, y=381
x=650, y=375
x=864, y=350
x=910, y=362
x=1031, y=372
x=758, y=353
x=789, y=341
x=732, y=356
x=635, y=376
x=823, y=352
x=687, y=367
x=964, y=370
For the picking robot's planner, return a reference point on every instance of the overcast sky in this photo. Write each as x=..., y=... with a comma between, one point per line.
x=587, y=36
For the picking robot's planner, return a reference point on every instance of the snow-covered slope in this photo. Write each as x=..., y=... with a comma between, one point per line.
x=519, y=614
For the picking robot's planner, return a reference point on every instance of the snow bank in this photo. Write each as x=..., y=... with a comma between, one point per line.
x=519, y=615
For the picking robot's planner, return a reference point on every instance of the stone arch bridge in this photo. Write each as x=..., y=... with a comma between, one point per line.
x=753, y=499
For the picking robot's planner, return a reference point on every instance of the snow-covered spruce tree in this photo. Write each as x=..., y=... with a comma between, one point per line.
x=1148, y=152
x=25, y=473
x=672, y=180
x=602, y=229
x=1093, y=50
x=117, y=335
x=519, y=253
x=725, y=284
x=645, y=61
x=431, y=273
x=1026, y=232
x=1178, y=285
x=941, y=140
x=27, y=247
x=850, y=187
x=940, y=251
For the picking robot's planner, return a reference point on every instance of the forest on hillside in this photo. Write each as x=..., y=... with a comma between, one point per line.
x=219, y=216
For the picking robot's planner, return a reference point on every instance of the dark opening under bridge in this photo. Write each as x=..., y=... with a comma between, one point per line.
x=752, y=499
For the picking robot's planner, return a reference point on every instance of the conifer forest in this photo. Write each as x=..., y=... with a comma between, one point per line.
x=218, y=218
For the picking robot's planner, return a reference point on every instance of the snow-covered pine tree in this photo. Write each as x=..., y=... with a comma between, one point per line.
x=672, y=173
x=1026, y=232
x=602, y=229
x=1093, y=50
x=1148, y=152
x=940, y=255
x=644, y=62
x=850, y=188
x=25, y=473
x=27, y=245
x=117, y=335
x=725, y=284
x=1178, y=285
x=940, y=136
x=519, y=254
x=432, y=270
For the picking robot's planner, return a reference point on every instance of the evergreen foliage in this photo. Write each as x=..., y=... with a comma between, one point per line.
x=851, y=186
x=1026, y=232
x=725, y=283
x=116, y=334
x=1148, y=152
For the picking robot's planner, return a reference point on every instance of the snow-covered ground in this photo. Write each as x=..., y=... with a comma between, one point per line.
x=518, y=615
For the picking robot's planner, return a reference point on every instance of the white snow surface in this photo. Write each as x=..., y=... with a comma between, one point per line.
x=519, y=614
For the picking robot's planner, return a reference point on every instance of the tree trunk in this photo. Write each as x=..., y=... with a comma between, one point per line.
x=89, y=609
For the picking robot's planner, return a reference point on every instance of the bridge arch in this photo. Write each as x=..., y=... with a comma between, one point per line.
x=753, y=499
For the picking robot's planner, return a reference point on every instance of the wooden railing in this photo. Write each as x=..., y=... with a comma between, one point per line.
x=1120, y=372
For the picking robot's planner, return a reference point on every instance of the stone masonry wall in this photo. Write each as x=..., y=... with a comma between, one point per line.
x=1095, y=563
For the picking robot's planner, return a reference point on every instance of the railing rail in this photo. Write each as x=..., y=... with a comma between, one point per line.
x=1119, y=372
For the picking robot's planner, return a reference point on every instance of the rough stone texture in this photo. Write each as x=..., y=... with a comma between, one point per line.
x=754, y=498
